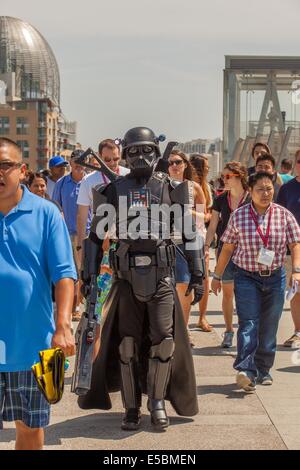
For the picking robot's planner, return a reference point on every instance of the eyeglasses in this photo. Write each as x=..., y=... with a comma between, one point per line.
x=175, y=162
x=6, y=166
x=228, y=176
x=108, y=160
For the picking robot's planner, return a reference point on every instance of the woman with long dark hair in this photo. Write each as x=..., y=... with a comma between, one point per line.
x=180, y=169
x=201, y=167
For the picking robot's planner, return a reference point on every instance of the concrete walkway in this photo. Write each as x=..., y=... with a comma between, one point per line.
x=228, y=418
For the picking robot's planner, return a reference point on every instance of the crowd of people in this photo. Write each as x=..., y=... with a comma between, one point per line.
x=250, y=217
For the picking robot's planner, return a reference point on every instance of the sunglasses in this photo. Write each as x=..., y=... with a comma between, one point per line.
x=108, y=160
x=6, y=166
x=175, y=162
x=228, y=176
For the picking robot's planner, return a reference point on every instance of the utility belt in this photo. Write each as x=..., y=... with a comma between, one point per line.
x=164, y=257
x=143, y=271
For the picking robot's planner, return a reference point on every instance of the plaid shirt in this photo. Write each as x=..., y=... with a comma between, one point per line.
x=241, y=230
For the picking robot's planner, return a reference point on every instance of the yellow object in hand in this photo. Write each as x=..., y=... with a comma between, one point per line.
x=50, y=373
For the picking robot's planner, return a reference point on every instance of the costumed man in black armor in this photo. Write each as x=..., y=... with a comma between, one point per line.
x=144, y=343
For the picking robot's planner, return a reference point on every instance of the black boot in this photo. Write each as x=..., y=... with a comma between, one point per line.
x=159, y=369
x=131, y=420
x=130, y=388
x=159, y=418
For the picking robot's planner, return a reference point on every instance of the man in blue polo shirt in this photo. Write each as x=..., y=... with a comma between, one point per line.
x=66, y=193
x=32, y=234
x=289, y=197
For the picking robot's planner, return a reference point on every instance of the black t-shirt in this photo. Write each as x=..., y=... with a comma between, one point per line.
x=289, y=197
x=221, y=205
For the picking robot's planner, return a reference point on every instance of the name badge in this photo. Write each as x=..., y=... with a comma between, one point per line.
x=265, y=257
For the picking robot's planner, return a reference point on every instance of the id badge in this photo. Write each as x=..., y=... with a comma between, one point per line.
x=265, y=257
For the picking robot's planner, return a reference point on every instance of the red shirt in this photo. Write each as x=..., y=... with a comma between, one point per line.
x=242, y=231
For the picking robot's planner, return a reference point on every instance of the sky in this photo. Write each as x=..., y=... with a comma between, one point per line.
x=155, y=63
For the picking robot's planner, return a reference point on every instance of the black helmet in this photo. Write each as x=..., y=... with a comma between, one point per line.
x=141, y=150
x=76, y=153
x=140, y=136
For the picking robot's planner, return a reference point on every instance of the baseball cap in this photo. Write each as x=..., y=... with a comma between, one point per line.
x=56, y=161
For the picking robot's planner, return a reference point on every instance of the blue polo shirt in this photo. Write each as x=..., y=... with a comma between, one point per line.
x=66, y=193
x=289, y=197
x=35, y=251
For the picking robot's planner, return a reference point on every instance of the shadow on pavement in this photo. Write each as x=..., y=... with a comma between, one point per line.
x=293, y=369
x=7, y=435
x=230, y=391
x=195, y=313
x=68, y=380
x=213, y=351
x=222, y=325
x=102, y=426
x=279, y=347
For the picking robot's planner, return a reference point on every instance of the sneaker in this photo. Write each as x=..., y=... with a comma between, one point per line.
x=227, y=339
x=292, y=341
x=265, y=379
x=243, y=381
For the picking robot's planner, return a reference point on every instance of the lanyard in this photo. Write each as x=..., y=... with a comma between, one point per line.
x=265, y=238
x=239, y=204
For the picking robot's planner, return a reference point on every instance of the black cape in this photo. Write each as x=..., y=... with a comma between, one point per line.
x=181, y=390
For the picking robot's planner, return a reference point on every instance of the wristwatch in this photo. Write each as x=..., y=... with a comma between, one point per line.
x=78, y=248
x=296, y=270
x=216, y=277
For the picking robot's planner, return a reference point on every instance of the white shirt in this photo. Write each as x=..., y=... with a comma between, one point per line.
x=85, y=196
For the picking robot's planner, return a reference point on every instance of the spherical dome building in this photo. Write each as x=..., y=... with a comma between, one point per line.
x=25, y=51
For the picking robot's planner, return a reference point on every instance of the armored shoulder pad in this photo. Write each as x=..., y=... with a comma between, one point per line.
x=98, y=196
x=161, y=176
x=182, y=193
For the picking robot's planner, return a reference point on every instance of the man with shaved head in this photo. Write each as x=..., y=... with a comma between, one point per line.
x=32, y=233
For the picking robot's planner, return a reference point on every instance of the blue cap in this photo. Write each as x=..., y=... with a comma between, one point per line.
x=56, y=161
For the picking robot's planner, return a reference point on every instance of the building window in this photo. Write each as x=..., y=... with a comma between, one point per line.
x=24, y=146
x=22, y=125
x=21, y=105
x=4, y=125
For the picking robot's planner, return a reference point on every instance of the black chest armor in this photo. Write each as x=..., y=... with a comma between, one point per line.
x=143, y=259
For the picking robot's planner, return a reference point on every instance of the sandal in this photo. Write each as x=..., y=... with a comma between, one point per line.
x=76, y=316
x=205, y=326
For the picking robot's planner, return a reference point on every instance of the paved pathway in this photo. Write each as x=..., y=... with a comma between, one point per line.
x=228, y=418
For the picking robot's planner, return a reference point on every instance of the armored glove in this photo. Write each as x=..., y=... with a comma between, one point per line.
x=196, y=284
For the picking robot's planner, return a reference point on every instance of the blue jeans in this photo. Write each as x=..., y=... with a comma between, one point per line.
x=259, y=305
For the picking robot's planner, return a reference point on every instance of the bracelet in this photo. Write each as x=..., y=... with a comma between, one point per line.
x=216, y=277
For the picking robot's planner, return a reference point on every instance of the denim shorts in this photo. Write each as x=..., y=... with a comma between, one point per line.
x=21, y=400
x=182, y=273
x=228, y=274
